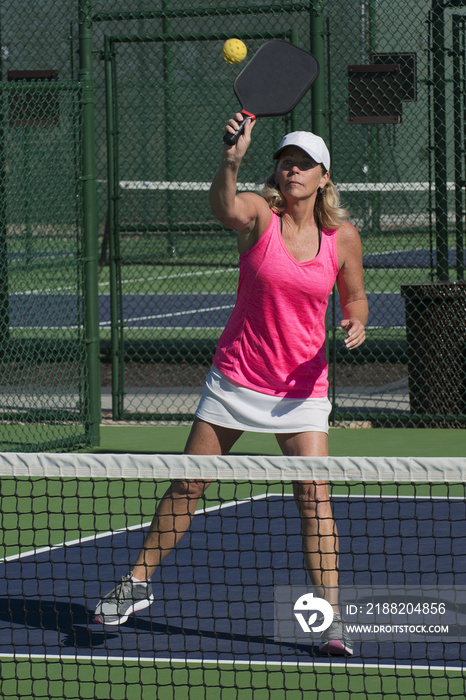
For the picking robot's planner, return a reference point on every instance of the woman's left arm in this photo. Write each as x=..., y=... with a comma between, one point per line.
x=350, y=283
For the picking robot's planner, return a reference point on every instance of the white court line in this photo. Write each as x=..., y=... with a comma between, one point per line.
x=102, y=324
x=110, y=533
x=56, y=328
x=221, y=506
x=53, y=290
x=152, y=278
x=104, y=658
x=180, y=186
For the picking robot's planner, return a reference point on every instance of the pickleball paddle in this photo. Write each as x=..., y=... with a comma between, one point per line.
x=273, y=82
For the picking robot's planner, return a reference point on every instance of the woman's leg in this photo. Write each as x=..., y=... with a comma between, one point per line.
x=177, y=507
x=318, y=528
x=172, y=519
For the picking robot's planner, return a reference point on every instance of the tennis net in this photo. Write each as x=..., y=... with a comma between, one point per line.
x=228, y=611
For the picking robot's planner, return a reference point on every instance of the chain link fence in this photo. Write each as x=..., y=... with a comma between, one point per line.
x=397, y=112
x=43, y=350
x=390, y=103
x=168, y=92
x=41, y=314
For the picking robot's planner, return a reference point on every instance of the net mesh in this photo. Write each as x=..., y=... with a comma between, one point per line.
x=72, y=526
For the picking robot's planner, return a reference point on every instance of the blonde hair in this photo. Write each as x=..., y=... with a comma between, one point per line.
x=328, y=211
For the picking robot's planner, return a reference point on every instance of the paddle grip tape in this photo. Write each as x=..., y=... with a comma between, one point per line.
x=231, y=139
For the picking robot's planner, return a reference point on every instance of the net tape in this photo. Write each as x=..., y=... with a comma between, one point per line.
x=234, y=467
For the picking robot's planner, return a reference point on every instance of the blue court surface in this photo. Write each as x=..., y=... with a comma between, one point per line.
x=409, y=259
x=206, y=310
x=214, y=593
x=167, y=310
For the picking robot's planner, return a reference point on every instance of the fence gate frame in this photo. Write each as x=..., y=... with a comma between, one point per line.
x=110, y=56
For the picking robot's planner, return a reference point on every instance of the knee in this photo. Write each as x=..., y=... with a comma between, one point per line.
x=313, y=500
x=189, y=488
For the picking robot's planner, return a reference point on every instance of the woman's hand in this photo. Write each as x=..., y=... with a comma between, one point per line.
x=238, y=149
x=355, y=332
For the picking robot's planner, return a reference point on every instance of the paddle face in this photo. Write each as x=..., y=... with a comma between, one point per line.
x=274, y=81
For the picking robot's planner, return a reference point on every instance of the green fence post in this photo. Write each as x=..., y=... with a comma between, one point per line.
x=440, y=138
x=113, y=222
x=318, y=49
x=4, y=307
x=169, y=122
x=89, y=223
x=319, y=127
x=373, y=129
x=458, y=115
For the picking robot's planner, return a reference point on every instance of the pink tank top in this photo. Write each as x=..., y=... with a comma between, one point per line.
x=274, y=341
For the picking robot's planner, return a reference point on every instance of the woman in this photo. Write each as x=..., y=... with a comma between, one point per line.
x=269, y=372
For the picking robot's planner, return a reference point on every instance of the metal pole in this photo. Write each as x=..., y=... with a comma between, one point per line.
x=113, y=227
x=89, y=223
x=431, y=167
x=4, y=308
x=458, y=99
x=318, y=49
x=440, y=138
x=331, y=330
x=460, y=264
x=169, y=129
x=319, y=127
x=374, y=129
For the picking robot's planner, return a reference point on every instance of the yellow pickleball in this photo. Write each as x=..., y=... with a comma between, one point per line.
x=234, y=50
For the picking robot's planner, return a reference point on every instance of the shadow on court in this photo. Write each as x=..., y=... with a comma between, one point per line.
x=76, y=627
x=70, y=620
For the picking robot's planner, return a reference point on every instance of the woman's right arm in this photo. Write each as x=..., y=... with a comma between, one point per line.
x=247, y=213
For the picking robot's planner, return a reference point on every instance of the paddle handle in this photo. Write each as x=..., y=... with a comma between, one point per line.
x=231, y=139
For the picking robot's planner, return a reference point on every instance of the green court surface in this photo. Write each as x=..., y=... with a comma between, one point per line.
x=378, y=442
x=203, y=681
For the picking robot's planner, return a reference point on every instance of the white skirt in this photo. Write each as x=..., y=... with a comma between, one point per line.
x=231, y=406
